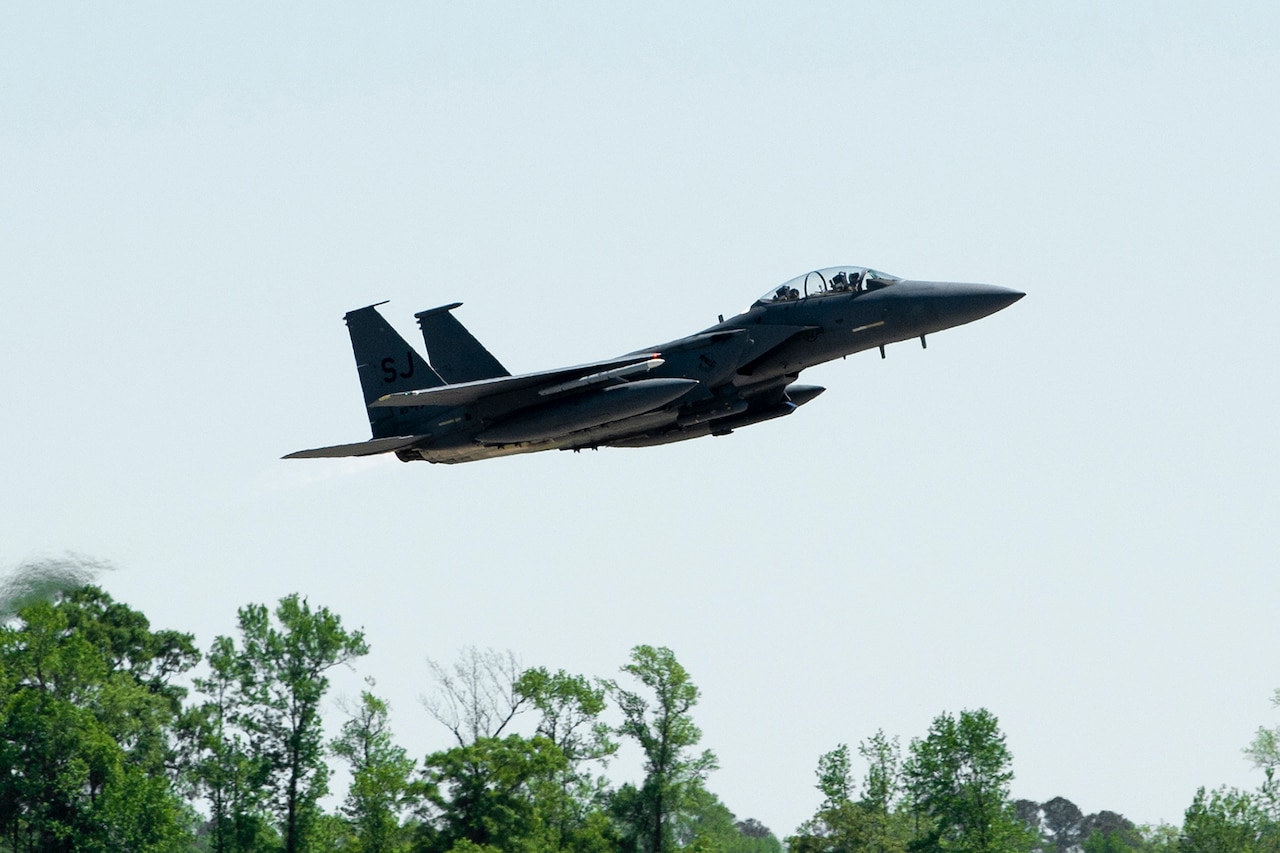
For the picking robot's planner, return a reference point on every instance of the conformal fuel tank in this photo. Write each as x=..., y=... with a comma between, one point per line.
x=588, y=410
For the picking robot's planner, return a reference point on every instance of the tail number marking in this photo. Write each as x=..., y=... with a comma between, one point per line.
x=391, y=371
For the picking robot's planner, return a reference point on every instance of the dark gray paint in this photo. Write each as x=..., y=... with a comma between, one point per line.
x=465, y=406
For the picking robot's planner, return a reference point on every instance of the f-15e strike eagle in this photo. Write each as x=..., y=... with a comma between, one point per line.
x=465, y=406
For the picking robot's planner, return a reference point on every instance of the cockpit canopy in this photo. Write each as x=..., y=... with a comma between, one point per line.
x=830, y=280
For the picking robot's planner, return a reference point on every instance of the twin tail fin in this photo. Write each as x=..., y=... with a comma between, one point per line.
x=387, y=364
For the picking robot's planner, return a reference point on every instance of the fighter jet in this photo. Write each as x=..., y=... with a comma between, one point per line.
x=463, y=405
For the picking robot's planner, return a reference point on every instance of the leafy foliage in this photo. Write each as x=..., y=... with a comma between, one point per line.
x=882, y=788
x=381, y=778
x=1264, y=752
x=100, y=750
x=259, y=737
x=496, y=791
x=666, y=733
x=958, y=776
x=835, y=777
x=87, y=719
x=1227, y=820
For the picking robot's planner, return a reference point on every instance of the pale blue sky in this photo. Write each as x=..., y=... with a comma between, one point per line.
x=1064, y=513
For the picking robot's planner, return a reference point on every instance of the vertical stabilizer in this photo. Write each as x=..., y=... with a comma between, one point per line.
x=386, y=364
x=454, y=352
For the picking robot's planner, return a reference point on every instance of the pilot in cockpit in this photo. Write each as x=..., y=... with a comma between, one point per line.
x=839, y=281
x=785, y=292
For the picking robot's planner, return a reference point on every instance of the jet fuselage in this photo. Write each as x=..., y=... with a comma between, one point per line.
x=464, y=406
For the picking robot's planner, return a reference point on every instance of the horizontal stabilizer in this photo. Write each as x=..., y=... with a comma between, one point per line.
x=360, y=448
x=466, y=393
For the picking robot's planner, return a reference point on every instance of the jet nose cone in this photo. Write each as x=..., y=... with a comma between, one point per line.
x=1005, y=296
x=964, y=303
x=985, y=297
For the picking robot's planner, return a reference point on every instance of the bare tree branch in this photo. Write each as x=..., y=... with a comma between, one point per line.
x=476, y=697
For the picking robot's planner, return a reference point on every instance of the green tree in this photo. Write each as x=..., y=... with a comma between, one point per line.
x=512, y=792
x=492, y=793
x=882, y=786
x=381, y=786
x=87, y=728
x=1227, y=821
x=704, y=824
x=222, y=764
x=271, y=736
x=1109, y=832
x=331, y=832
x=958, y=776
x=754, y=837
x=835, y=777
x=1113, y=842
x=570, y=707
x=852, y=826
x=667, y=735
x=870, y=824
x=1159, y=838
x=1264, y=752
x=1064, y=823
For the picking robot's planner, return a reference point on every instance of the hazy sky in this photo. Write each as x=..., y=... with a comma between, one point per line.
x=1065, y=513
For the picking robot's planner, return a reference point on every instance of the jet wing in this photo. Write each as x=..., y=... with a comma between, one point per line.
x=546, y=383
x=360, y=448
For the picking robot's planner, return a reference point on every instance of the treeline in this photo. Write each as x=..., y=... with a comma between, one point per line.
x=109, y=741
x=950, y=792
x=103, y=748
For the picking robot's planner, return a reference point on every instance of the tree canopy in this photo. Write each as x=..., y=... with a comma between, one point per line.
x=102, y=748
